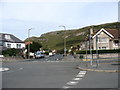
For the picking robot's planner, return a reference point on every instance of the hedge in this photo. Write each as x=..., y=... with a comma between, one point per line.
x=99, y=51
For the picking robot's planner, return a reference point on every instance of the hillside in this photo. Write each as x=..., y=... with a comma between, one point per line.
x=54, y=40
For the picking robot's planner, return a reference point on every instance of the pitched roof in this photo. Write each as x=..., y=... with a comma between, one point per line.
x=9, y=38
x=114, y=33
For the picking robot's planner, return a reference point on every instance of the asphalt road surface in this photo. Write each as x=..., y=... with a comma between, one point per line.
x=54, y=72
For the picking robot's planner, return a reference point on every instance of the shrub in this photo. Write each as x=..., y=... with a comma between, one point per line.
x=99, y=51
x=11, y=52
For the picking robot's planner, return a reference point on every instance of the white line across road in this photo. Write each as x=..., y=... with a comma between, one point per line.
x=80, y=76
x=3, y=69
x=72, y=83
x=75, y=80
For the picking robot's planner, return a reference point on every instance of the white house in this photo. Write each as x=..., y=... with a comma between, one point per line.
x=106, y=39
x=10, y=41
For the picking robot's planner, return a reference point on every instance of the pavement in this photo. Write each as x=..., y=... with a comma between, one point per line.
x=101, y=66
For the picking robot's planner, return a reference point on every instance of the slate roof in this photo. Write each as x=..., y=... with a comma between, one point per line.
x=11, y=38
x=113, y=32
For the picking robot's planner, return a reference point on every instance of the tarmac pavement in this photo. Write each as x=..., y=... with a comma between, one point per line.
x=101, y=66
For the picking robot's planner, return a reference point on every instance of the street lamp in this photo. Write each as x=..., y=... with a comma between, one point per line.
x=29, y=42
x=90, y=42
x=64, y=40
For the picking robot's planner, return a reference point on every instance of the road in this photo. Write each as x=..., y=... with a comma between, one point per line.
x=54, y=72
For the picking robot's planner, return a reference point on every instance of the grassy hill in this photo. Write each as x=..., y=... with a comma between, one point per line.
x=54, y=40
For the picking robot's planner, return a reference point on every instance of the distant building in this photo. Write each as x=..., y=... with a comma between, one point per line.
x=106, y=39
x=10, y=41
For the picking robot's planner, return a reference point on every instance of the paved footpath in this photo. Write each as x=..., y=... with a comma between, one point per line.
x=102, y=66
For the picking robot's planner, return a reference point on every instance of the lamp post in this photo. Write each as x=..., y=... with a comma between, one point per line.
x=86, y=51
x=64, y=40
x=29, y=42
x=90, y=41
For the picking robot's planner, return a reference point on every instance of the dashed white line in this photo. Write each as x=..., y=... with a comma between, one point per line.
x=66, y=87
x=80, y=75
x=75, y=80
x=82, y=71
x=72, y=83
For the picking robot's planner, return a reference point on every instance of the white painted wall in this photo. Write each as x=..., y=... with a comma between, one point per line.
x=14, y=45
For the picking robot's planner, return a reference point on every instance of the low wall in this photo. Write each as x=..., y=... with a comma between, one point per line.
x=16, y=58
x=111, y=55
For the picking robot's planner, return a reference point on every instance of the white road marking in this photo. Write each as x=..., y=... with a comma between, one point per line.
x=20, y=68
x=72, y=83
x=82, y=71
x=77, y=79
x=80, y=75
x=65, y=87
x=4, y=69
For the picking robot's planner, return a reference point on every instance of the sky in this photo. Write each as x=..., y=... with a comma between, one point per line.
x=18, y=16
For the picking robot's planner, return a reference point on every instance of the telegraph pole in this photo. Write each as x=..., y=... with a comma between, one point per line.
x=29, y=42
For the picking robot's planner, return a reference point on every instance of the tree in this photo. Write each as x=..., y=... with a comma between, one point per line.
x=35, y=46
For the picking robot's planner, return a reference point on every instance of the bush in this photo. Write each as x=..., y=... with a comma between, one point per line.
x=46, y=53
x=99, y=51
x=11, y=52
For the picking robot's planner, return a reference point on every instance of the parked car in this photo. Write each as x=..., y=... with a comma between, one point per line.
x=39, y=54
x=50, y=54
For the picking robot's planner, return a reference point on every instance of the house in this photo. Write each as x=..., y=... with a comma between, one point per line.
x=10, y=41
x=106, y=39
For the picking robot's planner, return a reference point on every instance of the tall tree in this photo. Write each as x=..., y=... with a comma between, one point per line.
x=35, y=46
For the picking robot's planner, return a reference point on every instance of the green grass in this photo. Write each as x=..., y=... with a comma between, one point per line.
x=54, y=40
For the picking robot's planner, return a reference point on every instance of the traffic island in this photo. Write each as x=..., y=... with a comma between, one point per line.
x=95, y=70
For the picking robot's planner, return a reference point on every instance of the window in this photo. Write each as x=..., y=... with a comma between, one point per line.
x=99, y=47
x=18, y=45
x=9, y=45
x=7, y=37
x=103, y=47
x=102, y=39
x=116, y=41
x=1, y=43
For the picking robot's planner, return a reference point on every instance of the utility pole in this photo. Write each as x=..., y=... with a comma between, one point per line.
x=29, y=42
x=97, y=61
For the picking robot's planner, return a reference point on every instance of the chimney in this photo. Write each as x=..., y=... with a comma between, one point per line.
x=91, y=31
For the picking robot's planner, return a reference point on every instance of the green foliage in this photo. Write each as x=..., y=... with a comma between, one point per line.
x=47, y=53
x=99, y=51
x=35, y=46
x=12, y=52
